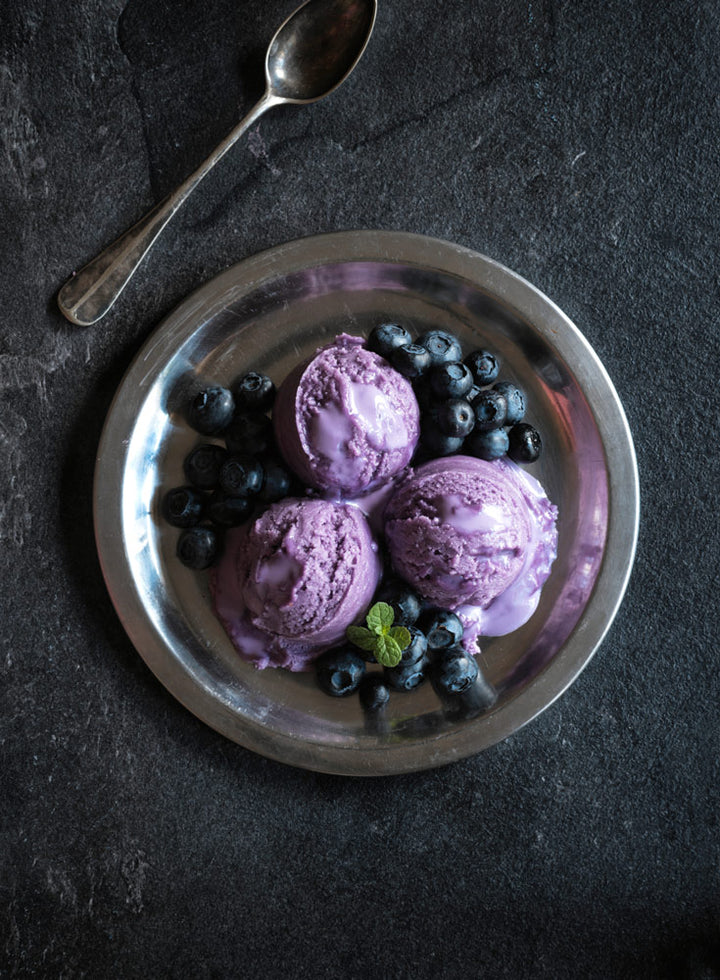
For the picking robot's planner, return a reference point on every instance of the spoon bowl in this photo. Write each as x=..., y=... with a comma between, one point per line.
x=311, y=54
x=336, y=42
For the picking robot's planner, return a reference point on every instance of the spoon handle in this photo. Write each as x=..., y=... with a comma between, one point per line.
x=89, y=294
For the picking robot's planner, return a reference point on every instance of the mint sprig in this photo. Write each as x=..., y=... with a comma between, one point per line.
x=385, y=641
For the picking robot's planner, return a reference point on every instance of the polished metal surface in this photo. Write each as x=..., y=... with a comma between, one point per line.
x=269, y=312
x=311, y=54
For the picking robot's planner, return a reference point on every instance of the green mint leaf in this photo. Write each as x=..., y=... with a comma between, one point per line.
x=401, y=635
x=380, y=618
x=361, y=637
x=387, y=651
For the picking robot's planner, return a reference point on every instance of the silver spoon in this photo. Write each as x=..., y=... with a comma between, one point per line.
x=312, y=53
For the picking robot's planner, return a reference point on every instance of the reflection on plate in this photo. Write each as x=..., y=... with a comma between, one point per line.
x=269, y=312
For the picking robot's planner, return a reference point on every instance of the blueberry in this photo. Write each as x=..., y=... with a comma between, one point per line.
x=249, y=432
x=442, y=628
x=441, y=346
x=525, y=443
x=241, y=476
x=417, y=649
x=384, y=339
x=229, y=511
x=254, y=392
x=277, y=481
x=489, y=445
x=197, y=547
x=339, y=672
x=515, y=401
x=183, y=506
x=211, y=410
x=202, y=465
x=405, y=602
x=484, y=366
x=473, y=700
x=473, y=395
x=453, y=671
x=406, y=677
x=490, y=409
x=455, y=417
x=410, y=360
x=451, y=379
x=374, y=693
x=437, y=443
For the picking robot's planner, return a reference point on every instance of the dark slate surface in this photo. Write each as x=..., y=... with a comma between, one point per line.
x=577, y=144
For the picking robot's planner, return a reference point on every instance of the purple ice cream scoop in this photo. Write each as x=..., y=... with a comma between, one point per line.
x=289, y=585
x=346, y=421
x=475, y=537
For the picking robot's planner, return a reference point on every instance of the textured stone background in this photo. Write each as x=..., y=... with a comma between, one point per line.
x=575, y=142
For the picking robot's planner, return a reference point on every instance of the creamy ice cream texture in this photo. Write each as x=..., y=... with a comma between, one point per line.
x=290, y=584
x=476, y=537
x=345, y=421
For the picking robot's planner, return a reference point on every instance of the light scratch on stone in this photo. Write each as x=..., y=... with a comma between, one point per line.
x=133, y=871
x=59, y=883
x=259, y=150
x=19, y=372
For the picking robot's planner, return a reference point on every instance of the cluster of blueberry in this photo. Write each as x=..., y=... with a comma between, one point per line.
x=225, y=483
x=434, y=652
x=464, y=407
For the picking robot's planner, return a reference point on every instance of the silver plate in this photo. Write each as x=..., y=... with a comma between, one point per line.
x=269, y=312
